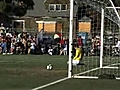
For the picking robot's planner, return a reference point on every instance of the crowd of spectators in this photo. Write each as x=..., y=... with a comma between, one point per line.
x=95, y=50
x=24, y=43
x=11, y=43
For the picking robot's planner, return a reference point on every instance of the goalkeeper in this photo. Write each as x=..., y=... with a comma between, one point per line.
x=78, y=55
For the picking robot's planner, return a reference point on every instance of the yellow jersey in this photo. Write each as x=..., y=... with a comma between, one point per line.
x=78, y=54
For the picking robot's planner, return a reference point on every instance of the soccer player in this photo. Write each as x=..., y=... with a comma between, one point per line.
x=78, y=55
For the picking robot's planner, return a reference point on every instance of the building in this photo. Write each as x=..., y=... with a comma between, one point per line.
x=49, y=15
x=53, y=16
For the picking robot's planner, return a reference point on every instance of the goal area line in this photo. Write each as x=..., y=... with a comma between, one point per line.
x=75, y=76
x=95, y=77
x=111, y=67
x=91, y=77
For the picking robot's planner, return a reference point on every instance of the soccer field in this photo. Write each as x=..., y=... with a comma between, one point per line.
x=85, y=84
x=26, y=72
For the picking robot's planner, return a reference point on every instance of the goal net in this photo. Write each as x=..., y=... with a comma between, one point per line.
x=99, y=27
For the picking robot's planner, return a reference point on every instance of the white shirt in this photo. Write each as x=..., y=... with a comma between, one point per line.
x=32, y=45
x=65, y=48
x=50, y=50
x=118, y=44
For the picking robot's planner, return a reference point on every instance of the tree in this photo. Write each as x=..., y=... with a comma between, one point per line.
x=22, y=7
x=18, y=8
x=8, y=1
x=19, y=11
x=29, y=3
x=2, y=6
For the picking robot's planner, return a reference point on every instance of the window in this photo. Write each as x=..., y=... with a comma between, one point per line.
x=63, y=7
x=52, y=7
x=57, y=7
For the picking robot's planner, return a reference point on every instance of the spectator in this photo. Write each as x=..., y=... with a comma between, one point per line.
x=50, y=50
x=3, y=46
x=32, y=48
x=62, y=42
x=42, y=49
x=65, y=48
x=8, y=44
x=13, y=46
x=28, y=45
x=79, y=41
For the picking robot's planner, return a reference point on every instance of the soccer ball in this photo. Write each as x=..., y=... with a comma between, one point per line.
x=49, y=67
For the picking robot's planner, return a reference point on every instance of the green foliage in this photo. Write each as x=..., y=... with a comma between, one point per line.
x=28, y=3
x=8, y=1
x=8, y=8
x=2, y=6
x=19, y=10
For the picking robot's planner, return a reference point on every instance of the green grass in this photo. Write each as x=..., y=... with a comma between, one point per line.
x=24, y=72
x=86, y=84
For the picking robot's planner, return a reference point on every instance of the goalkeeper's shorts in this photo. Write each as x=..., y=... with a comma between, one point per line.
x=75, y=62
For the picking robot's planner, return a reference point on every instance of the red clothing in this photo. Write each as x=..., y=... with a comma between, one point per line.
x=0, y=38
x=79, y=41
x=62, y=42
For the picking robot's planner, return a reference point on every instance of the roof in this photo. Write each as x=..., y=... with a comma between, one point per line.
x=39, y=10
x=85, y=18
x=40, y=6
x=56, y=1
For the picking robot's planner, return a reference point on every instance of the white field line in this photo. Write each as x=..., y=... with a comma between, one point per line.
x=117, y=78
x=111, y=67
x=95, y=69
x=86, y=77
x=55, y=82
x=75, y=75
x=46, y=85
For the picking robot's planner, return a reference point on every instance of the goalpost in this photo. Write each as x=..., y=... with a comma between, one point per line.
x=70, y=39
x=106, y=62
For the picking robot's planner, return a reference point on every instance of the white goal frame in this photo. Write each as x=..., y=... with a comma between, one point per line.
x=101, y=51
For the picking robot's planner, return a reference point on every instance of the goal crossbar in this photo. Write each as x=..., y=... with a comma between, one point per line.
x=113, y=7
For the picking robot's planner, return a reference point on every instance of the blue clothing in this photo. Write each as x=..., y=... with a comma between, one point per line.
x=3, y=45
